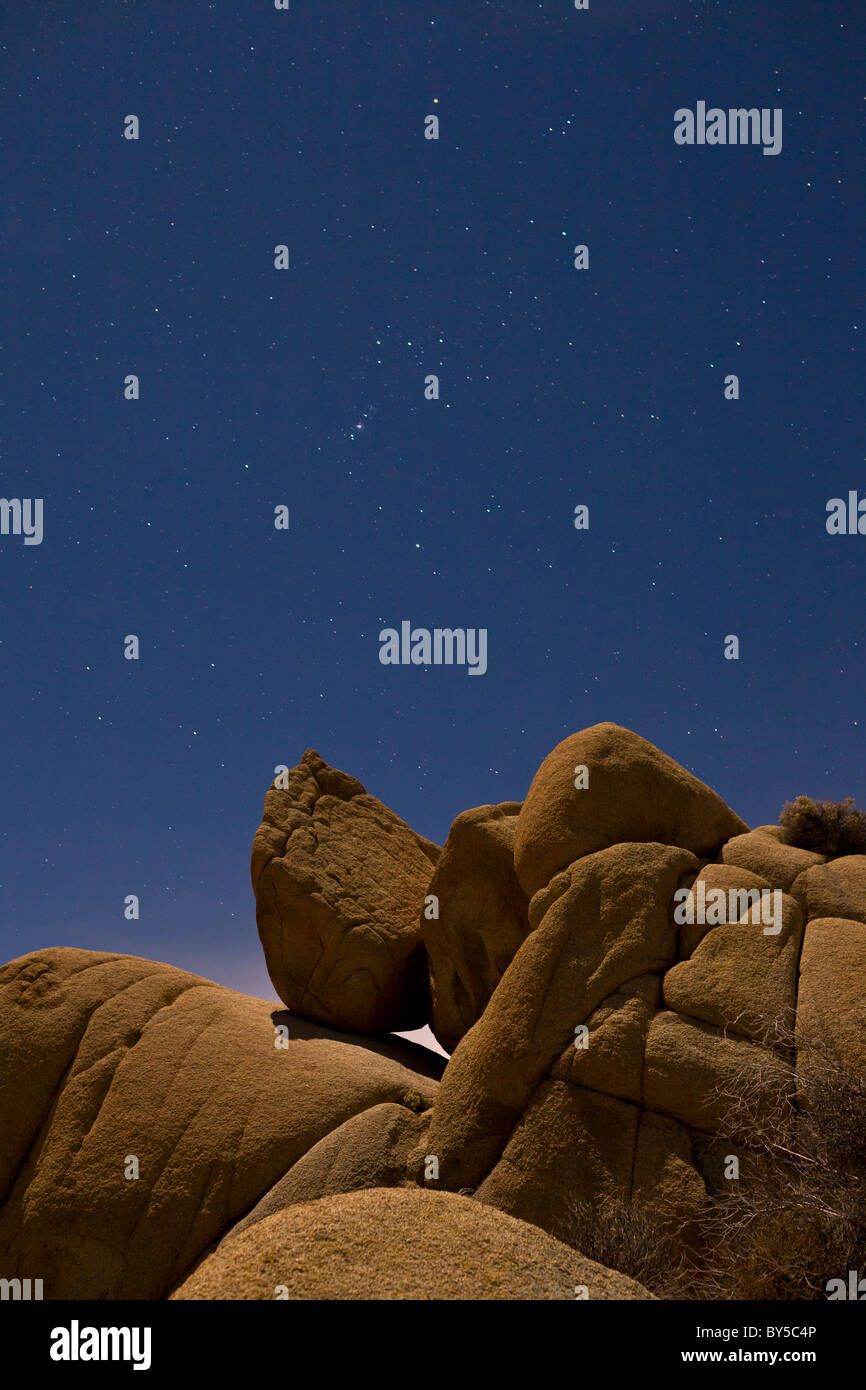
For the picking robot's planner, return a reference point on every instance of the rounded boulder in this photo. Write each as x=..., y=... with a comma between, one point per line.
x=606, y=786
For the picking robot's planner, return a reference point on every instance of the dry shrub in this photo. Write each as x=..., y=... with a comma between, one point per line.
x=798, y=1217
x=794, y=1219
x=645, y=1245
x=827, y=827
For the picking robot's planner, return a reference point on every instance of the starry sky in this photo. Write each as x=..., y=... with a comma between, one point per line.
x=305, y=388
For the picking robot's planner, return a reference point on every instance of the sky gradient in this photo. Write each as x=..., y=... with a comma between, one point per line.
x=305, y=387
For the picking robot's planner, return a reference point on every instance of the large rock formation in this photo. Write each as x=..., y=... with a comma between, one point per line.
x=400, y=1244
x=632, y=791
x=604, y=922
x=339, y=883
x=604, y=960
x=605, y=1063
x=528, y=1113
x=145, y=1110
x=477, y=920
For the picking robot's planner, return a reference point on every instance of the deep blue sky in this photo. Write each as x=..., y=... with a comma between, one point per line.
x=558, y=387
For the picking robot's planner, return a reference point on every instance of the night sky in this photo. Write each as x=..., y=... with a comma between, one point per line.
x=305, y=388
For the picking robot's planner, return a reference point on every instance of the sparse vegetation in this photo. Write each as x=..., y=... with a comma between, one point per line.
x=638, y=1242
x=413, y=1100
x=795, y=1218
x=827, y=827
x=798, y=1218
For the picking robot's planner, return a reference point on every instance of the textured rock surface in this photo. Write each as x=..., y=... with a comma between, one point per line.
x=764, y=852
x=370, y=1150
x=831, y=1004
x=104, y=1058
x=688, y=1064
x=612, y=1060
x=665, y=1178
x=603, y=923
x=339, y=883
x=741, y=974
x=399, y=1243
x=635, y=792
x=569, y=1145
x=837, y=889
x=483, y=918
x=715, y=877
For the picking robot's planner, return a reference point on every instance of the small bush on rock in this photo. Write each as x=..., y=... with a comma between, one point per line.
x=413, y=1100
x=638, y=1242
x=826, y=827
